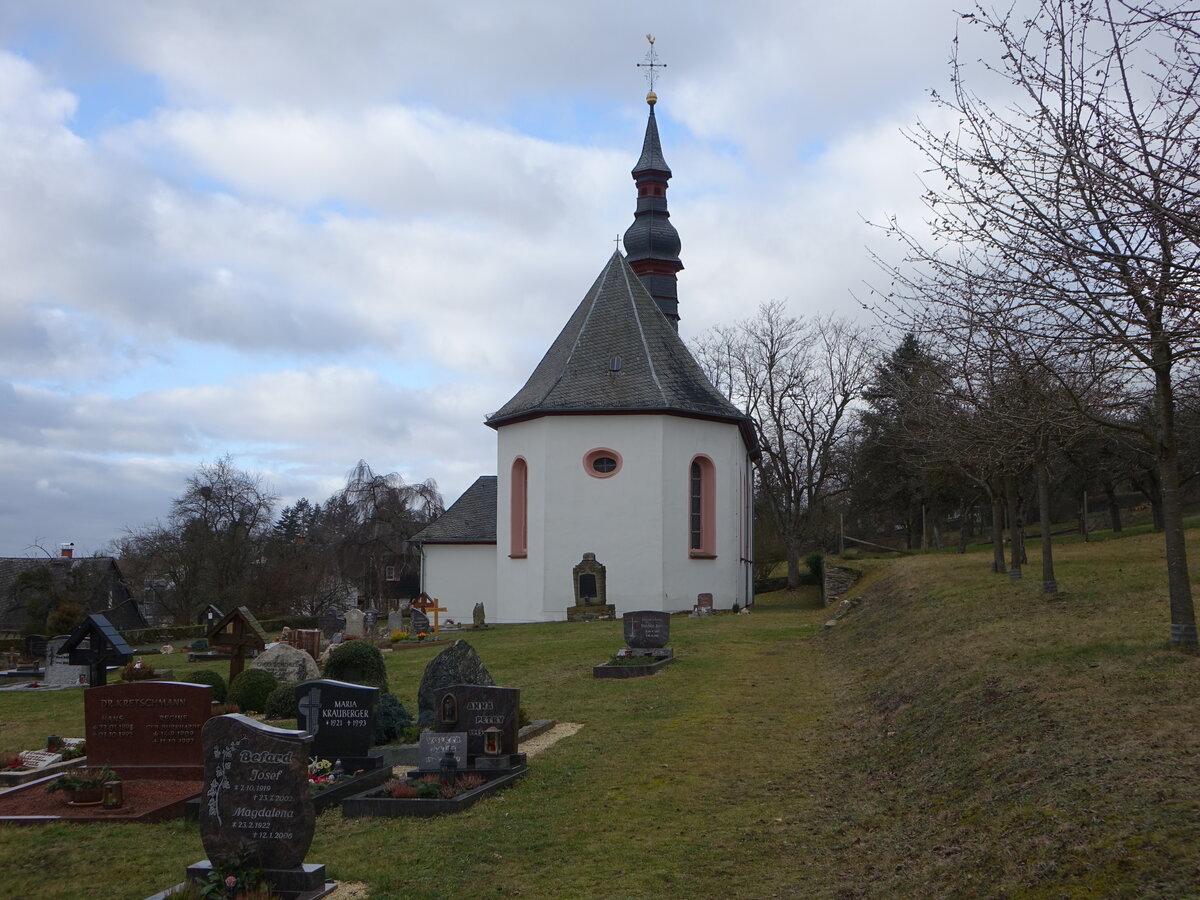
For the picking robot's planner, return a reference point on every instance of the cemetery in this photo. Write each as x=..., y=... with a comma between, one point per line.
x=786, y=753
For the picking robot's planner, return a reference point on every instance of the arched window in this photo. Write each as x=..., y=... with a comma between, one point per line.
x=519, y=510
x=702, y=508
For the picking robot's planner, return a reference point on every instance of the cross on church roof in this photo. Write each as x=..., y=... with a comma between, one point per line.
x=651, y=65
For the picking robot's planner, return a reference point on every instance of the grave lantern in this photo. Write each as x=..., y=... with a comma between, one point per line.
x=491, y=741
x=449, y=767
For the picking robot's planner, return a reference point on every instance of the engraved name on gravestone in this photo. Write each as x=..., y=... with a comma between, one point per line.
x=434, y=745
x=255, y=798
x=59, y=670
x=340, y=717
x=147, y=723
x=647, y=629
x=474, y=708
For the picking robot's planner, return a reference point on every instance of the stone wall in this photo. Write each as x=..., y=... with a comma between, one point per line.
x=836, y=581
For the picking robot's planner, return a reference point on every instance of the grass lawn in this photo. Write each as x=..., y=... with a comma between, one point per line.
x=954, y=735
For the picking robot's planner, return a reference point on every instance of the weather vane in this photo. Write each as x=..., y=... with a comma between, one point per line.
x=651, y=65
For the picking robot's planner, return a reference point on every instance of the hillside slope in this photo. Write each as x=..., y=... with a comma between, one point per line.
x=998, y=743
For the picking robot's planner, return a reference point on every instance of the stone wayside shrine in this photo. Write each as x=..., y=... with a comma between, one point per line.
x=238, y=633
x=256, y=804
x=646, y=636
x=591, y=592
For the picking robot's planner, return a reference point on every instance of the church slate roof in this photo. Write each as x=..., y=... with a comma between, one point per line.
x=618, y=324
x=471, y=519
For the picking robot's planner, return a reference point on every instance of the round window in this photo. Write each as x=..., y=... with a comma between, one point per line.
x=604, y=465
x=602, y=462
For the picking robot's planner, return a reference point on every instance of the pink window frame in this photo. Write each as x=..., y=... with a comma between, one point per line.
x=519, y=510
x=707, y=508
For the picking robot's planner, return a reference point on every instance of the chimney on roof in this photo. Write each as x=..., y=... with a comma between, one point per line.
x=66, y=551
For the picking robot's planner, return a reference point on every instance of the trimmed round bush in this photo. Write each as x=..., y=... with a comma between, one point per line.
x=391, y=719
x=208, y=676
x=281, y=702
x=251, y=689
x=357, y=662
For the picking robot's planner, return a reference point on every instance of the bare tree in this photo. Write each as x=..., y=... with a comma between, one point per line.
x=798, y=380
x=1076, y=205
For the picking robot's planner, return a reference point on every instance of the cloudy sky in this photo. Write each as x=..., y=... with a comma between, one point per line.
x=302, y=232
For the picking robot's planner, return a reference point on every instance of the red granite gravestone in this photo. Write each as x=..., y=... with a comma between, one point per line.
x=148, y=729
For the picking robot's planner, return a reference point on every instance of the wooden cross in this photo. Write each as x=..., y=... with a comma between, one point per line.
x=435, y=609
x=237, y=633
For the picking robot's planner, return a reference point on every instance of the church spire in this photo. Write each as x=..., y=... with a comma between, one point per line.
x=651, y=242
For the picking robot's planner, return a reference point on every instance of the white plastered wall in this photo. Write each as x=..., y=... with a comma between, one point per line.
x=636, y=522
x=461, y=575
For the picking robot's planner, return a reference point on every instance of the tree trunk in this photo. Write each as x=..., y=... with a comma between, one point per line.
x=793, y=562
x=1049, y=585
x=1016, y=552
x=1183, y=613
x=998, y=534
x=1114, y=508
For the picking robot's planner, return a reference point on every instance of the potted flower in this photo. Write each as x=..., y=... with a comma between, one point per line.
x=84, y=785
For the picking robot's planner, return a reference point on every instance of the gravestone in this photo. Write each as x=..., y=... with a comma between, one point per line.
x=395, y=621
x=96, y=645
x=370, y=619
x=341, y=718
x=475, y=708
x=704, y=601
x=478, y=616
x=238, y=634
x=256, y=802
x=59, y=671
x=420, y=622
x=590, y=585
x=330, y=622
x=434, y=745
x=289, y=665
x=35, y=646
x=147, y=729
x=354, y=622
x=647, y=629
x=457, y=664
x=308, y=640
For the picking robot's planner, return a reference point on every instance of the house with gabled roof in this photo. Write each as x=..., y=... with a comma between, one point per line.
x=617, y=445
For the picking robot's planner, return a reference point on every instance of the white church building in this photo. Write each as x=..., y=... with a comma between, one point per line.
x=617, y=446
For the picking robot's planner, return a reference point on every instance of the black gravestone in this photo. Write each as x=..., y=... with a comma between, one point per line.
x=420, y=622
x=341, y=718
x=587, y=586
x=647, y=629
x=255, y=798
x=330, y=623
x=435, y=744
x=370, y=617
x=474, y=708
x=35, y=646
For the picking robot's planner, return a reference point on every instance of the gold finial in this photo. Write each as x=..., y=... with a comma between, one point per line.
x=651, y=65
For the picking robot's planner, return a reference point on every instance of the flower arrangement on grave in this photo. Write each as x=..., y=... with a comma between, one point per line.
x=83, y=785
x=430, y=787
x=421, y=636
x=136, y=670
x=165, y=649
x=396, y=636
x=13, y=764
x=238, y=878
x=322, y=774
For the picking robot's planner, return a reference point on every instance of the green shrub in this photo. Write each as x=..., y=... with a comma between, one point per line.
x=391, y=719
x=208, y=676
x=816, y=567
x=281, y=703
x=251, y=689
x=357, y=662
